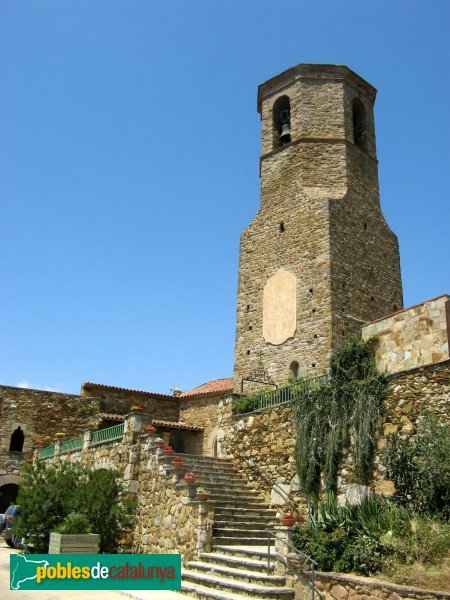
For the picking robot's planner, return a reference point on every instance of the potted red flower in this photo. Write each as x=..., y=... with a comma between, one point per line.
x=189, y=477
x=151, y=429
x=177, y=461
x=39, y=443
x=287, y=519
x=168, y=450
x=159, y=442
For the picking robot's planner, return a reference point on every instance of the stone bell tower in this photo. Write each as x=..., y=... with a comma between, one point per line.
x=319, y=259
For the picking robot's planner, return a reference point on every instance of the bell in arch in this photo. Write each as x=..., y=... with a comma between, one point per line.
x=285, y=118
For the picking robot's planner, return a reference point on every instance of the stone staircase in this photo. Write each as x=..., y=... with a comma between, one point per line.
x=236, y=569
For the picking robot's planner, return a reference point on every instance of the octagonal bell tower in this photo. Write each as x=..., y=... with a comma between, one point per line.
x=318, y=260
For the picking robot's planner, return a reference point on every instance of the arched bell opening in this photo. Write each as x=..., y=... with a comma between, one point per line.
x=359, y=124
x=281, y=114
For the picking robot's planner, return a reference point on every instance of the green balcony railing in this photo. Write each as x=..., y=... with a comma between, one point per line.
x=73, y=444
x=281, y=395
x=107, y=435
x=47, y=452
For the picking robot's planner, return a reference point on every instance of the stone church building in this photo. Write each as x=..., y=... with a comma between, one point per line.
x=317, y=263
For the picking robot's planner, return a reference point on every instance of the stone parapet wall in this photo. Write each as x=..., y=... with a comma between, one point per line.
x=330, y=586
x=413, y=337
x=266, y=438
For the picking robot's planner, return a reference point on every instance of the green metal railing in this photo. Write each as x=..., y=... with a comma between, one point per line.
x=47, y=452
x=73, y=444
x=107, y=435
x=281, y=395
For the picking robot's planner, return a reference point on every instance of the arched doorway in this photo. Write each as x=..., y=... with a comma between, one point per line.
x=8, y=495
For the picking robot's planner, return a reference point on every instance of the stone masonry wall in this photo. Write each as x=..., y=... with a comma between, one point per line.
x=41, y=415
x=267, y=437
x=344, y=587
x=202, y=412
x=413, y=337
x=167, y=516
x=119, y=401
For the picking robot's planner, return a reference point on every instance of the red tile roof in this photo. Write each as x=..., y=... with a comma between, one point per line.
x=176, y=425
x=110, y=417
x=216, y=387
x=156, y=422
x=101, y=386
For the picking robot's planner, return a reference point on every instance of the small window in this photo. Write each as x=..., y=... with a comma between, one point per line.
x=293, y=370
x=281, y=227
x=359, y=124
x=17, y=439
x=281, y=114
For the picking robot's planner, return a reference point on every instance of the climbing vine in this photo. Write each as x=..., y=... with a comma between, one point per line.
x=343, y=411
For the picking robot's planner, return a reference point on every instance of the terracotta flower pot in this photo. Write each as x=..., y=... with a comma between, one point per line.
x=287, y=519
x=202, y=497
x=177, y=461
x=159, y=442
x=39, y=443
x=189, y=477
x=168, y=450
x=151, y=429
x=136, y=408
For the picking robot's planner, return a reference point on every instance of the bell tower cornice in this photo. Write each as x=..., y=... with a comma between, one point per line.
x=304, y=71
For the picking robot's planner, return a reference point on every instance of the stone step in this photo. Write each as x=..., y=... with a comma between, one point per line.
x=254, y=590
x=222, y=485
x=232, y=540
x=203, y=458
x=249, y=517
x=238, y=574
x=228, y=471
x=245, y=512
x=239, y=533
x=210, y=464
x=236, y=561
x=253, y=552
x=199, y=591
x=238, y=494
x=251, y=523
x=240, y=504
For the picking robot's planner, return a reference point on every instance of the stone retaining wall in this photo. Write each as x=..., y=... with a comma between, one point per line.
x=330, y=586
x=267, y=437
x=167, y=516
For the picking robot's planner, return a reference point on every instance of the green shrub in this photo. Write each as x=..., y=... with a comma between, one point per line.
x=245, y=404
x=49, y=494
x=363, y=554
x=74, y=523
x=420, y=468
x=375, y=536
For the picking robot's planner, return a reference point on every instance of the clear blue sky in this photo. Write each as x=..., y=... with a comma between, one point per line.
x=129, y=145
